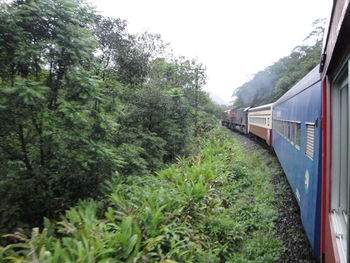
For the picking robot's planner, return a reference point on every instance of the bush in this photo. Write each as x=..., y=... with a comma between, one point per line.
x=186, y=213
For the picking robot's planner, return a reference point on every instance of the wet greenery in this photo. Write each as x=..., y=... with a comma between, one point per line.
x=215, y=206
x=82, y=101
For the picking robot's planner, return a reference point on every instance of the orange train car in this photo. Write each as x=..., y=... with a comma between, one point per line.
x=260, y=122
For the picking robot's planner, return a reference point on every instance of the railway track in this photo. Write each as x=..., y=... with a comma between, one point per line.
x=288, y=224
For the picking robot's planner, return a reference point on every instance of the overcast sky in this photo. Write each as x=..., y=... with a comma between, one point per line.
x=233, y=38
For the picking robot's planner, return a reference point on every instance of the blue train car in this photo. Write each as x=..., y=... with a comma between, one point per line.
x=296, y=139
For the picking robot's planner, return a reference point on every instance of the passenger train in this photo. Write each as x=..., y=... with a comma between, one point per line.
x=308, y=128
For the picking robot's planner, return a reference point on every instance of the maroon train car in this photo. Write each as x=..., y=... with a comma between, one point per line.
x=335, y=71
x=236, y=119
x=227, y=118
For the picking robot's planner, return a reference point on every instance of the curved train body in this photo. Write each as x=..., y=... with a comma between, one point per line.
x=309, y=129
x=297, y=143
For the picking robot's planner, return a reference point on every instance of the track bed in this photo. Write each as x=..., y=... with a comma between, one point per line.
x=288, y=224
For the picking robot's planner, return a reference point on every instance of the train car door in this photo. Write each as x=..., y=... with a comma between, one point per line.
x=340, y=162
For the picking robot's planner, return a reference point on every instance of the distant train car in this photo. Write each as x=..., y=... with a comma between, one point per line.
x=233, y=114
x=335, y=70
x=226, y=119
x=260, y=122
x=229, y=116
x=236, y=119
x=240, y=120
x=296, y=139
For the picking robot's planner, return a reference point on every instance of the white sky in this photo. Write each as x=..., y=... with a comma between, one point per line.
x=233, y=38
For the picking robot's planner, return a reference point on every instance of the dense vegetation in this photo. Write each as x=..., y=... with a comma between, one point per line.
x=271, y=83
x=216, y=206
x=82, y=103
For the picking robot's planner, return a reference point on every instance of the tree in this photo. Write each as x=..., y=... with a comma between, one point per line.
x=271, y=83
x=49, y=150
x=111, y=36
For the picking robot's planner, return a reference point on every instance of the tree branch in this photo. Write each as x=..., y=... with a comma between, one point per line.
x=24, y=148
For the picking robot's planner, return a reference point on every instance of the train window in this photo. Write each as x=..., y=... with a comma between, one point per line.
x=290, y=130
x=297, y=135
x=277, y=124
x=257, y=120
x=292, y=133
x=281, y=128
x=340, y=162
x=310, y=140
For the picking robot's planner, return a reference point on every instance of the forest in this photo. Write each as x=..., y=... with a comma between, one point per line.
x=83, y=102
x=268, y=85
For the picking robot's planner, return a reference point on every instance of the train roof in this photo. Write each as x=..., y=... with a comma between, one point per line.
x=262, y=107
x=240, y=109
x=306, y=82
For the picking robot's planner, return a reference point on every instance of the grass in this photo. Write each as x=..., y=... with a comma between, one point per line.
x=215, y=206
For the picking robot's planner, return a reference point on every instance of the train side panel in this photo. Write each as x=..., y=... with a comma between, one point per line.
x=296, y=139
x=260, y=122
x=335, y=70
x=241, y=120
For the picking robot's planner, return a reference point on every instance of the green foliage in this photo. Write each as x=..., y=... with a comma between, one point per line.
x=83, y=103
x=204, y=208
x=271, y=83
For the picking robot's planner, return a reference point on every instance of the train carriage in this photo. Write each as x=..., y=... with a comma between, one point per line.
x=335, y=70
x=236, y=119
x=259, y=122
x=239, y=121
x=296, y=139
x=227, y=117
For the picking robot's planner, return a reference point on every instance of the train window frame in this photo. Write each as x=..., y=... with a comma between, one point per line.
x=253, y=120
x=298, y=134
x=340, y=162
x=290, y=130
